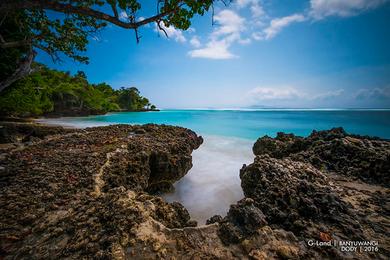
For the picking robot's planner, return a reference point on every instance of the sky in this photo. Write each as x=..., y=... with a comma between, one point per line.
x=256, y=54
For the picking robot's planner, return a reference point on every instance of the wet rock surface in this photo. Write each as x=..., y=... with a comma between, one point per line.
x=319, y=188
x=92, y=194
x=22, y=132
x=82, y=193
x=242, y=220
x=334, y=150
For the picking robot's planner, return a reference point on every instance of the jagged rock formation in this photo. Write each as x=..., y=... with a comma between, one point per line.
x=91, y=194
x=88, y=194
x=82, y=193
x=362, y=157
x=319, y=188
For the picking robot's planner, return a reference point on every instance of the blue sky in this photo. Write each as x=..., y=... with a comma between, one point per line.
x=259, y=53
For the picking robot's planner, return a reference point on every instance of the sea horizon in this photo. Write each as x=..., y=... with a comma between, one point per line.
x=273, y=109
x=247, y=123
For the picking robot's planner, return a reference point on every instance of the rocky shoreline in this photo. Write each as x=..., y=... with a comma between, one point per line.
x=328, y=186
x=92, y=193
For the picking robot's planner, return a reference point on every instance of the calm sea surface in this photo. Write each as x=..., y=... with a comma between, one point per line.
x=250, y=124
x=213, y=182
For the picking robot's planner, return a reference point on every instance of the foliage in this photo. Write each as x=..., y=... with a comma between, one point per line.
x=130, y=99
x=63, y=26
x=50, y=91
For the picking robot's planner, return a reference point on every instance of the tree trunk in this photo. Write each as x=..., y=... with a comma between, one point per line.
x=23, y=70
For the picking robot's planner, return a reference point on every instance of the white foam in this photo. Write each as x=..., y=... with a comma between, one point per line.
x=73, y=122
x=213, y=183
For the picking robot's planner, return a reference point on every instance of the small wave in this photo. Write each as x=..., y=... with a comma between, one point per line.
x=73, y=122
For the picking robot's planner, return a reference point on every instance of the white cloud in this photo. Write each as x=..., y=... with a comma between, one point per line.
x=172, y=32
x=230, y=26
x=278, y=24
x=195, y=42
x=322, y=8
x=277, y=93
x=257, y=10
x=217, y=50
x=233, y=28
x=376, y=93
x=287, y=93
x=243, y=3
x=254, y=5
x=257, y=36
x=328, y=95
x=245, y=41
x=229, y=23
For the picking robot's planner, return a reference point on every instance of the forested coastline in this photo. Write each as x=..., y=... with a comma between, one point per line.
x=49, y=92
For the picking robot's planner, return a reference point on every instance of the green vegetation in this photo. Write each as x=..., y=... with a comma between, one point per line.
x=52, y=92
x=63, y=27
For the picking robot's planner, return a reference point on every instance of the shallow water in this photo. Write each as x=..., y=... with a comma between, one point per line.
x=213, y=183
x=249, y=124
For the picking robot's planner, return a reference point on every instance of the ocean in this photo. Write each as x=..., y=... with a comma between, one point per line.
x=213, y=182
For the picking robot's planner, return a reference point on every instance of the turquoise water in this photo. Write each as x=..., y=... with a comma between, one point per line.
x=252, y=124
x=213, y=183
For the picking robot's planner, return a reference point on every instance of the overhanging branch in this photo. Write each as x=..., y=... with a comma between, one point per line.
x=71, y=9
x=13, y=44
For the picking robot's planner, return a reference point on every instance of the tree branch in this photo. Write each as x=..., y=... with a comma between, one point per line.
x=137, y=37
x=114, y=10
x=161, y=28
x=14, y=44
x=81, y=10
x=23, y=70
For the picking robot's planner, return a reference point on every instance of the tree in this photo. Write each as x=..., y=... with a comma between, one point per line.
x=15, y=59
x=105, y=89
x=130, y=99
x=49, y=91
x=81, y=74
x=26, y=25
